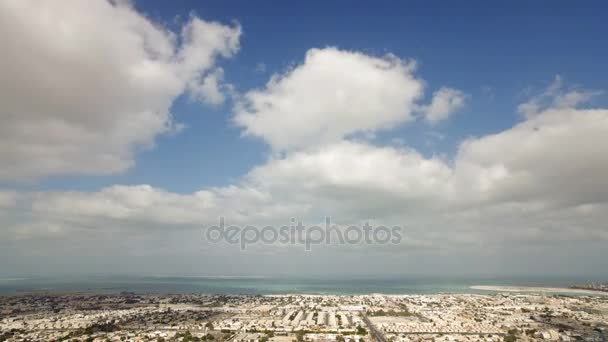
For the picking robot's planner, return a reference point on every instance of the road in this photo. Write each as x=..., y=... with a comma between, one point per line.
x=373, y=331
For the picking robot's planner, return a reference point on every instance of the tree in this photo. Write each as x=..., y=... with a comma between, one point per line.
x=510, y=338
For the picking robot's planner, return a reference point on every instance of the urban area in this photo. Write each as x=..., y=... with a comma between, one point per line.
x=298, y=318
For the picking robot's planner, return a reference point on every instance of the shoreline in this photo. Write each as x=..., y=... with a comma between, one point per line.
x=536, y=289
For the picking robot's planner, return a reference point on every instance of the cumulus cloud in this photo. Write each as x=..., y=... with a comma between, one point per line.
x=541, y=174
x=355, y=180
x=138, y=205
x=557, y=155
x=445, y=101
x=85, y=85
x=331, y=95
x=103, y=89
x=539, y=177
x=533, y=188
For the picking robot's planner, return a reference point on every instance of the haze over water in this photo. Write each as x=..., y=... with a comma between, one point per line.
x=267, y=285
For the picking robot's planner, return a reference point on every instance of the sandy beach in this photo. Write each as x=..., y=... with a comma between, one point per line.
x=537, y=289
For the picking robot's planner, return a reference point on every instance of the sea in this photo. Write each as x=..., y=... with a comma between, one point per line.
x=267, y=285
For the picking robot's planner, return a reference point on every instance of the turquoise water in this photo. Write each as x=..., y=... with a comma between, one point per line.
x=265, y=285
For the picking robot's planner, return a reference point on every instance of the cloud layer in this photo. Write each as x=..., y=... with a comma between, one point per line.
x=83, y=87
x=539, y=177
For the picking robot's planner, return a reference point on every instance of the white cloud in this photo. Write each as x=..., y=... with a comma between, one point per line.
x=557, y=155
x=333, y=94
x=541, y=176
x=445, y=101
x=143, y=205
x=555, y=158
x=85, y=84
x=209, y=89
x=555, y=96
x=348, y=179
x=82, y=94
x=534, y=188
x=8, y=199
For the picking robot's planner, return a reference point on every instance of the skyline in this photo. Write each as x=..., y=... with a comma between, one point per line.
x=126, y=129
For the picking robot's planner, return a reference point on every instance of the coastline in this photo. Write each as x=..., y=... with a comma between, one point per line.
x=536, y=289
x=284, y=286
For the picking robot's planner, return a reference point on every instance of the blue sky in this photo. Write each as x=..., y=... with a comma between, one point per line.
x=128, y=126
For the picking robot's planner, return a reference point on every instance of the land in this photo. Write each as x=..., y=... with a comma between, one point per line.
x=558, y=290
x=288, y=318
x=603, y=287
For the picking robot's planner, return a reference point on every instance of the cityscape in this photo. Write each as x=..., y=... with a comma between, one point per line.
x=287, y=318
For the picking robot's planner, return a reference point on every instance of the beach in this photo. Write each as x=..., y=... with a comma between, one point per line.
x=536, y=289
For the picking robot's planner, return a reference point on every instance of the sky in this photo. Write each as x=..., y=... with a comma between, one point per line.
x=128, y=128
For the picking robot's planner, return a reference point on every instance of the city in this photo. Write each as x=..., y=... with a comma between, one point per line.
x=287, y=318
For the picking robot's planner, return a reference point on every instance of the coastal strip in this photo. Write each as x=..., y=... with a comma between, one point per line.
x=536, y=289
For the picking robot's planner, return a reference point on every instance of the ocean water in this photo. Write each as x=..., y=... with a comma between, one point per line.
x=274, y=285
